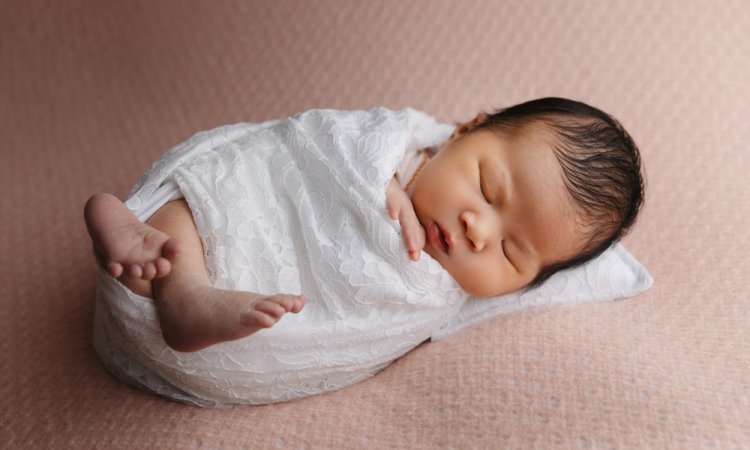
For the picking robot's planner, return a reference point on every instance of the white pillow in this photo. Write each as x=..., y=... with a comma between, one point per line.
x=613, y=275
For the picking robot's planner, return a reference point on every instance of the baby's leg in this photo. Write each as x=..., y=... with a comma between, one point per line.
x=192, y=313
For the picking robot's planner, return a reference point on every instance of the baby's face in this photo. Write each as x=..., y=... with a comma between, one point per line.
x=496, y=210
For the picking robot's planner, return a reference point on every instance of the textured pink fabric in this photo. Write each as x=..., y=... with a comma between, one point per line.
x=92, y=92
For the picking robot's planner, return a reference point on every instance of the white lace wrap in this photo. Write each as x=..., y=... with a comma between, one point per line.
x=290, y=206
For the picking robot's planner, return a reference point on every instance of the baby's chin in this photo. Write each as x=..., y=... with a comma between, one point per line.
x=488, y=291
x=479, y=292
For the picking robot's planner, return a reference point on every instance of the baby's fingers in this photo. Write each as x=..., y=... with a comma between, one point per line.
x=413, y=233
x=394, y=207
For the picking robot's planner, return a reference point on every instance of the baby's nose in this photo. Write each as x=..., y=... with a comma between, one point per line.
x=474, y=230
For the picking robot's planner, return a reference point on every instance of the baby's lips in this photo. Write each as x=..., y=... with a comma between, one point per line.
x=449, y=240
x=433, y=234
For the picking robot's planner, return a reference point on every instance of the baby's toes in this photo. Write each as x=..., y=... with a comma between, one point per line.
x=271, y=307
x=163, y=267
x=171, y=249
x=115, y=269
x=134, y=271
x=149, y=271
x=290, y=303
x=299, y=303
x=256, y=318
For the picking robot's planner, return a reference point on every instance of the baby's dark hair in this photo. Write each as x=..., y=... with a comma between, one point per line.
x=601, y=167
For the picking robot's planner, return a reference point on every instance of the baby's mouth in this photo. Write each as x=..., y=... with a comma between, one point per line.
x=437, y=238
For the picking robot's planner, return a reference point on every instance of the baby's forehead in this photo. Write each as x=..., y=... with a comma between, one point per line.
x=543, y=132
x=536, y=162
x=552, y=131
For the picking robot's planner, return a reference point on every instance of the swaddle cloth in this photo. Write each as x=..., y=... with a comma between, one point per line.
x=288, y=206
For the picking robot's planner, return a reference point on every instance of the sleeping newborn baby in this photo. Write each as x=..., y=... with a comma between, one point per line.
x=325, y=215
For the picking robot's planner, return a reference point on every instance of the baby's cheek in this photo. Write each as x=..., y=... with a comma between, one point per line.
x=478, y=280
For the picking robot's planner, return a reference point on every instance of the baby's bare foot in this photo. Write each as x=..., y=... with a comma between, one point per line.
x=205, y=316
x=126, y=246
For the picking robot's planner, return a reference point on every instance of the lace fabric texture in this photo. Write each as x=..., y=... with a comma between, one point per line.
x=294, y=205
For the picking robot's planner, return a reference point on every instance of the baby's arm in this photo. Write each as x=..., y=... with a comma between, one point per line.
x=400, y=207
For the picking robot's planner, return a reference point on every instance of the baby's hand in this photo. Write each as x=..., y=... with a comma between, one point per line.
x=400, y=207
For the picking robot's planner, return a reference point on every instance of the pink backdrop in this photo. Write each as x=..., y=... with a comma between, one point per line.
x=92, y=92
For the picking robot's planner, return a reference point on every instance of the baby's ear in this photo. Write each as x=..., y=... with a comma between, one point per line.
x=465, y=127
x=479, y=119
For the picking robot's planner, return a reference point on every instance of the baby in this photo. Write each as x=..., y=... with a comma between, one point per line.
x=508, y=200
